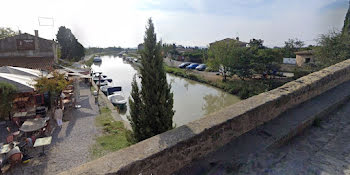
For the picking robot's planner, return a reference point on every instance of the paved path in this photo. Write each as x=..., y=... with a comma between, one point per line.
x=71, y=144
x=319, y=150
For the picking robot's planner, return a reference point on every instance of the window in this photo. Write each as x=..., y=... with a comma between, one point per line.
x=307, y=60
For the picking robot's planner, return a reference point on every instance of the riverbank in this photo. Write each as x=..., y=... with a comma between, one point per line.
x=243, y=89
x=114, y=135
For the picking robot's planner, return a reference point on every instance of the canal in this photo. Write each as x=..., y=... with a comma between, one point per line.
x=192, y=100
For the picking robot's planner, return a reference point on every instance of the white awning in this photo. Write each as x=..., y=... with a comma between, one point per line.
x=22, y=71
x=21, y=82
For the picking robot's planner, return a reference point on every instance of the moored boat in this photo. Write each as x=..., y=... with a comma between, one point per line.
x=97, y=60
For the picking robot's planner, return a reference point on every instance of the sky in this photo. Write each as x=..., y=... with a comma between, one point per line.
x=105, y=23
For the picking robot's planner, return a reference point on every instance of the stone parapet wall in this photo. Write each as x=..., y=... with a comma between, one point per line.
x=167, y=152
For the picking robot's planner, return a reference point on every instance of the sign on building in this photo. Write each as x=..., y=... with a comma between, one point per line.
x=25, y=44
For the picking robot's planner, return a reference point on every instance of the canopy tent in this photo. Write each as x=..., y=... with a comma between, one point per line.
x=21, y=82
x=22, y=71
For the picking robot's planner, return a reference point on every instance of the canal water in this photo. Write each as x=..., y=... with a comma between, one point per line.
x=192, y=100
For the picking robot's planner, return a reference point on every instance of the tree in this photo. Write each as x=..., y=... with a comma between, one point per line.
x=54, y=85
x=220, y=56
x=6, y=32
x=346, y=27
x=333, y=48
x=291, y=46
x=151, y=109
x=243, y=66
x=257, y=43
x=70, y=46
x=7, y=93
x=266, y=60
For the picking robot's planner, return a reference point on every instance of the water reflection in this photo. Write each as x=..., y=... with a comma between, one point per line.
x=192, y=100
x=215, y=102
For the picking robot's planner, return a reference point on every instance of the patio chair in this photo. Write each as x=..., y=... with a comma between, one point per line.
x=15, y=159
x=16, y=121
x=9, y=138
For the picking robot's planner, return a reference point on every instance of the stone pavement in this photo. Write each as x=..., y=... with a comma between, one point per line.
x=323, y=149
x=70, y=144
x=252, y=153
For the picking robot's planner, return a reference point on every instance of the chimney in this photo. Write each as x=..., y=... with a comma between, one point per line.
x=36, y=33
x=19, y=32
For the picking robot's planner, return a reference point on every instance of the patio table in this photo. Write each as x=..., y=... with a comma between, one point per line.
x=6, y=148
x=31, y=125
x=42, y=142
x=20, y=114
x=67, y=91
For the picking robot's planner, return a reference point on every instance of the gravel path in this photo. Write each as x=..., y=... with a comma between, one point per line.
x=70, y=144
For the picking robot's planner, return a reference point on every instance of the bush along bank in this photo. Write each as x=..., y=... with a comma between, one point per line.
x=240, y=88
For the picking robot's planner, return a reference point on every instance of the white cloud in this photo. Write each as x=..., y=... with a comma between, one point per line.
x=122, y=23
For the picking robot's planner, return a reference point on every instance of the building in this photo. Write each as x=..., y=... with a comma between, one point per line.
x=289, y=61
x=29, y=51
x=241, y=43
x=140, y=47
x=304, y=57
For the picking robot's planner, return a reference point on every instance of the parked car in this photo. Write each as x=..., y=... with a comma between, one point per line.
x=192, y=66
x=201, y=67
x=184, y=65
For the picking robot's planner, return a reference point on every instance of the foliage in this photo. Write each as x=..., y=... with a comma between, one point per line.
x=258, y=43
x=151, y=109
x=291, y=46
x=243, y=89
x=300, y=72
x=221, y=56
x=90, y=61
x=265, y=60
x=6, y=32
x=334, y=48
x=54, y=84
x=70, y=46
x=109, y=50
x=114, y=137
x=230, y=58
x=7, y=93
x=346, y=27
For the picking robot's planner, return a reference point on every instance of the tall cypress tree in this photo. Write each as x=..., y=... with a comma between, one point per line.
x=346, y=27
x=151, y=108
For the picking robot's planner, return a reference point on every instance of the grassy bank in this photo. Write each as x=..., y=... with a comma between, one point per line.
x=114, y=135
x=90, y=61
x=243, y=89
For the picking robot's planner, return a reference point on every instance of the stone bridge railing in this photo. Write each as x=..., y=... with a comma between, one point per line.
x=170, y=151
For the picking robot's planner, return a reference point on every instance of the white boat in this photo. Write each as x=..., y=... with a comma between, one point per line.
x=116, y=96
x=118, y=100
x=104, y=89
x=102, y=83
x=97, y=60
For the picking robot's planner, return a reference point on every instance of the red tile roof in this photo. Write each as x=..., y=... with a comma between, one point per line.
x=28, y=62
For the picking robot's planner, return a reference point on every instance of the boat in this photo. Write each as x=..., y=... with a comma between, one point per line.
x=105, y=88
x=101, y=83
x=97, y=60
x=115, y=95
x=118, y=100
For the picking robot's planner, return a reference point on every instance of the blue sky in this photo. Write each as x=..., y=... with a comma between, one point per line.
x=188, y=22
